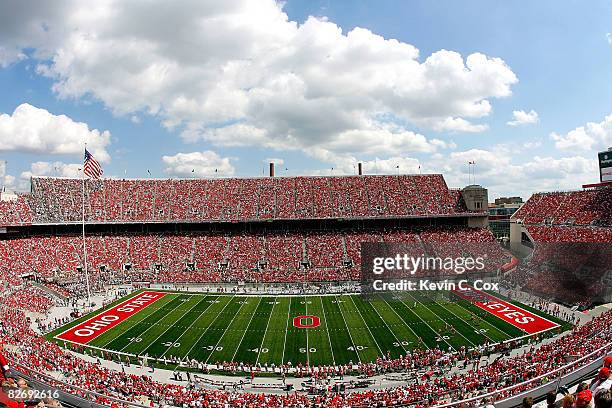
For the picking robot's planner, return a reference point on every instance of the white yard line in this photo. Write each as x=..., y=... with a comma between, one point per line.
x=385, y=323
x=286, y=330
x=226, y=329
x=191, y=325
x=442, y=320
x=266, y=332
x=170, y=327
x=327, y=331
x=150, y=326
x=205, y=331
x=246, y=329
x=307, y=345
x=381, y=352
x=460, y=318
x=428, y=325
x=405, y=324
x=510, y=336
x=348, y=329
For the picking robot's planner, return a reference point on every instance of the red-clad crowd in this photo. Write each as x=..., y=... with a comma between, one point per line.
x=270, y=256
x=58, y=200
x=584, y=207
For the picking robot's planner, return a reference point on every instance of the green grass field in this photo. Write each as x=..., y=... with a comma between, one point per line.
x=217, y=328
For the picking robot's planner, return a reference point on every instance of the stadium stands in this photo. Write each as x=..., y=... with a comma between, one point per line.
x=585, y=207
x=15, y=212
x=566, y=227
x=59, y=200
x=274, y=256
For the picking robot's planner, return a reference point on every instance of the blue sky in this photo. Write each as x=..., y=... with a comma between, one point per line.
x=222, y=88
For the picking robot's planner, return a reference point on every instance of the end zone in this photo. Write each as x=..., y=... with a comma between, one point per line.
x=86, y=331
x=528, y=322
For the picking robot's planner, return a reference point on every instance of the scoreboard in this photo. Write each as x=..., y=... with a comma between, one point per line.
x=605, y=166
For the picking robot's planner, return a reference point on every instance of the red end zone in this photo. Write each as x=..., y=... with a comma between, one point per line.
x=85, y=332
x=518, y=317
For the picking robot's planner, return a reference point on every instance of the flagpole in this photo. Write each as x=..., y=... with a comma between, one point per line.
x=84, y=245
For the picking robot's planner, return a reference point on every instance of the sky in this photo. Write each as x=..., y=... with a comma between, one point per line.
x=194, y=88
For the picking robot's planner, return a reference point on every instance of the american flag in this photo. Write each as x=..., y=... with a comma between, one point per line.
x=91, y=167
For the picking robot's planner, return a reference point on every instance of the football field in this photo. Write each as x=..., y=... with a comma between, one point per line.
x=326, y=330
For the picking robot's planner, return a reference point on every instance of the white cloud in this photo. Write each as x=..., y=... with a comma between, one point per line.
x=239, y=72
x=609, y=38
x=532, y=145
x=524, y=118
x=592, y=136
x=56, y=169
x=347, y=164
x=199, y=164
x=506, y=174
x=35, y=130
x=458, y=125
x=392, y=165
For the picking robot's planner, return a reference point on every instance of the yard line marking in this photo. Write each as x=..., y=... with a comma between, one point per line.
x=208, y=327
x=385, y=323
x=263, y=338
x=432, y=329
x=225, y=331
x=382, y=353
x=286, y=329
x=460, y=318
x=510, y=336
x=247, y=328
x=171, y=296
x=327, y=330
x=347, y=328
x=171, y=325
x=405, y=324
x=442, y=320
x=191, y=325
x=307, y=346
x=152, y=326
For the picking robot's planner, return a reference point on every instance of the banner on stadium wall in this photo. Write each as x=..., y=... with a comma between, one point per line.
x=605, y=166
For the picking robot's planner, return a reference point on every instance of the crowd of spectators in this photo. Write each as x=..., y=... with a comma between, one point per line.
x=266, y=256
x=56, y=200
x=571, y=232
x=274, y=256
x=584, y=207
x=554, y=233
x=15, y=211
x=27, y=298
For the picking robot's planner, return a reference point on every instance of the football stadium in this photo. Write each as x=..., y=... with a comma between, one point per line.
x=242, y=204
x=251, y=287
